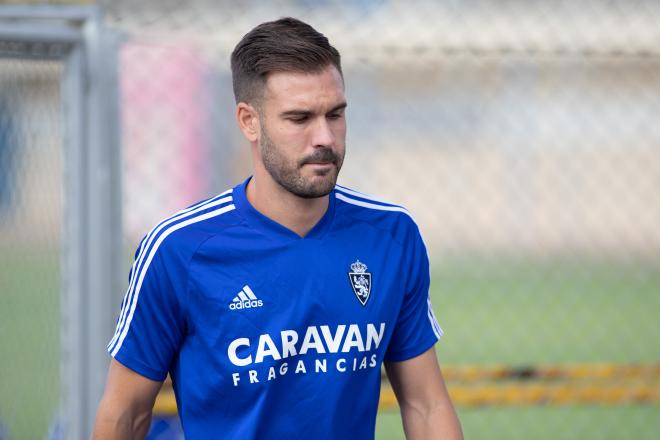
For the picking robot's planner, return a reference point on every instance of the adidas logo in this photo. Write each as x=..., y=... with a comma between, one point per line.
x=245, y=299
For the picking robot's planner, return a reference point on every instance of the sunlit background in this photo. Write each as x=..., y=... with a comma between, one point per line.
x=522, y=135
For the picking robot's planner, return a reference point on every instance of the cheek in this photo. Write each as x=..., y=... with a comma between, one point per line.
x=290, y=134
x=282, y=136
x=290, y=146
x=339, y=127
x=340, y=134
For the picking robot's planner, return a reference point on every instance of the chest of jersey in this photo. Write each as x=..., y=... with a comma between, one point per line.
x=322, y=305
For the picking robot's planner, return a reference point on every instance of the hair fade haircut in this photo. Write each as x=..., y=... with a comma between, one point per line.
x=284, y=45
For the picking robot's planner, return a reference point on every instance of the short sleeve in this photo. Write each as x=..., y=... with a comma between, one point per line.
x=151, y=323
x=416, y=328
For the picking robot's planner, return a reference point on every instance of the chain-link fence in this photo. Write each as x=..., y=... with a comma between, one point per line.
x=520, y=134
x=30, y=223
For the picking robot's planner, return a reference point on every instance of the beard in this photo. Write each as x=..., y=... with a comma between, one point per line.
x=288, y=173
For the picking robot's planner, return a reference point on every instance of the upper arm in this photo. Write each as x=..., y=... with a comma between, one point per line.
x=126, y=387
x=426, y=408
x=418, y=381
x=125, y=409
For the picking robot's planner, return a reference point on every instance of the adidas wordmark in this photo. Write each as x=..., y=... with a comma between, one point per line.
x=245, y=299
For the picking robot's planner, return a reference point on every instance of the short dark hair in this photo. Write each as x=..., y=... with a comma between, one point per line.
x=284, y=45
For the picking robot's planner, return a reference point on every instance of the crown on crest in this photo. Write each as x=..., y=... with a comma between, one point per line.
x=358, y=267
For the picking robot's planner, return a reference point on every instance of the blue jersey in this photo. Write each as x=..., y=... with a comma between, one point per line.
x=269, y=335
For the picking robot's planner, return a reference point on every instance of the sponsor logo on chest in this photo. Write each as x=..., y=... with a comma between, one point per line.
x=357, y=346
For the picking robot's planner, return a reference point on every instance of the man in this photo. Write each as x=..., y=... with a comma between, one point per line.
x=273, y=305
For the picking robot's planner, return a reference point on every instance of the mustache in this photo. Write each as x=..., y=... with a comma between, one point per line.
x=321, y=155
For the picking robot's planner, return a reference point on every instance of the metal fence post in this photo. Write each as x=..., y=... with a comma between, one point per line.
x=95, y=220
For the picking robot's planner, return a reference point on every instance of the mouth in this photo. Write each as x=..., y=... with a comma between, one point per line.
x=324, y=158
x=319, y=163
x=319, y=167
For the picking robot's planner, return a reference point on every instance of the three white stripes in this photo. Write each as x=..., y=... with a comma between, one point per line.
x=141, y=264
x=434, y=322
x=341, y=196
x=144, y=245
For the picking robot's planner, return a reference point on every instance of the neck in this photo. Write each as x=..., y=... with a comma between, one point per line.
x=295, y=213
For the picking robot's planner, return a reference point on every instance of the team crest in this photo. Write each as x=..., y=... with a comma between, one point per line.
x=360, y=281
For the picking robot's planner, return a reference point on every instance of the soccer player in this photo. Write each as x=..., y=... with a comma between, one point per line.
x=274, y=305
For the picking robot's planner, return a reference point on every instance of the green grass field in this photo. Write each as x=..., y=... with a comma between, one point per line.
x=29, y=342
x=495, y=311
x=522, y=312
x=545, y=423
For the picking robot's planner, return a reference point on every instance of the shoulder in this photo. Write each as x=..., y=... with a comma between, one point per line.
x=182, y=232
x=381, y=214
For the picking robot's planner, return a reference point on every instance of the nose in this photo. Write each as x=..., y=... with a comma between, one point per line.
x=322, y=134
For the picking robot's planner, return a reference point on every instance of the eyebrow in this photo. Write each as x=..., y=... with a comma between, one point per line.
x=293, y=113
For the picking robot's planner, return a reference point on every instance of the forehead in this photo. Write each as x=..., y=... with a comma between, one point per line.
x=297, y=90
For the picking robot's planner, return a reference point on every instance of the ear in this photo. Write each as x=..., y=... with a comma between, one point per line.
x=248, y=121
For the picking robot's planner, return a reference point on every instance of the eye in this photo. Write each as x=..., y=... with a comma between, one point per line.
x=299, y=119
x=335, y=116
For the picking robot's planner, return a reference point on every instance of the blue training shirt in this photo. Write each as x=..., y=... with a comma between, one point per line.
x=269, y=335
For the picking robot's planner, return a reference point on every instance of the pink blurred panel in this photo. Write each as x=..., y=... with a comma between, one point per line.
x=165, y=136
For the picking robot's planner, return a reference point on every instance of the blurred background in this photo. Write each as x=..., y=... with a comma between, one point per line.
x=523, y=135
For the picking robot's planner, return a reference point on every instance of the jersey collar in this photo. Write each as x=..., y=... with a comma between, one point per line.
x=271, y=228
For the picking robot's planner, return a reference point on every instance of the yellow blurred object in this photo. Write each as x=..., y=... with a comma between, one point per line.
x=589, y=384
